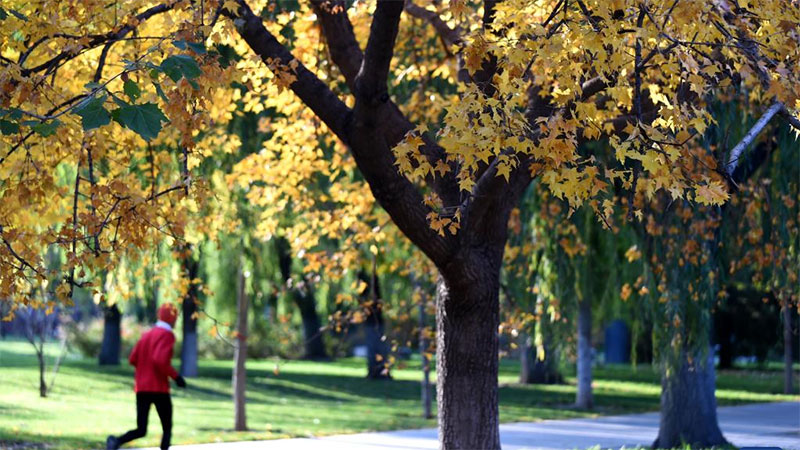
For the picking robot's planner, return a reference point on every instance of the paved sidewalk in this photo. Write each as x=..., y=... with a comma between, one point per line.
x=761, y=425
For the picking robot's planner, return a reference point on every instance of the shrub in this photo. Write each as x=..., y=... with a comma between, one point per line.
x=86, y=336
x=265, y=340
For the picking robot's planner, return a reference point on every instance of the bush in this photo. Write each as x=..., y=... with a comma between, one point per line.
x=266, y=340
x=86, y=336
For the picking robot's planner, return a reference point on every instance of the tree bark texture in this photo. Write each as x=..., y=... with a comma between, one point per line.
x=467, y=317
x=583, y=397
x=110, y=347
x=689, y=407
x=240, y=357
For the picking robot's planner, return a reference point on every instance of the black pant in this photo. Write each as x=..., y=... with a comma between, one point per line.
x=163, y=407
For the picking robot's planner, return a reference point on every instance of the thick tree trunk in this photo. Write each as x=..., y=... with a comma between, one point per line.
x=583, y=397
x=110, y=348
x=788, y=387
x=240, y=357
x=189, y=308
x=467, y=317
x=689, y=407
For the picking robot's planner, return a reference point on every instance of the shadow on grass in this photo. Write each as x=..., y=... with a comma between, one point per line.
x=324, y=387
x=23, y=439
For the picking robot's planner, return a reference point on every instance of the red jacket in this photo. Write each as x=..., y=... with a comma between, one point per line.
x=152, y=357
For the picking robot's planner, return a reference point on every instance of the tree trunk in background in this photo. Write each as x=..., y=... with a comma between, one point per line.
x=240, y=357
x=467, y=317
x=724, y=334
x=151, y=301
x=526, y=357
x=788, y=386
x=374, y=329
x=538, y=371
x=42, y=384
x=583, y=397
x=688, y=406
x=110, y=348
x=303, y=296
x=189, y=308
x=314, y=345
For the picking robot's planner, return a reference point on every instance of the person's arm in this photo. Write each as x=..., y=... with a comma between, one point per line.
x=133, y=359
x=163, y=357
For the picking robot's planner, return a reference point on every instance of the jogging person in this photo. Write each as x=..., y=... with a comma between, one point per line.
x=152, y=358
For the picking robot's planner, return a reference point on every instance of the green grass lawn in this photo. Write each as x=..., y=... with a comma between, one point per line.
x=89, y=402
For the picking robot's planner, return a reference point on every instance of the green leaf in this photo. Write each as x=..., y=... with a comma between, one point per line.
x=197, y=47
x=7, y=127
x=93, y=114
x=226, y=55
x=131, y=89
x=47, y=128
x=177, y=66
x=160, y=92
x=144, y=120
x=120, y=102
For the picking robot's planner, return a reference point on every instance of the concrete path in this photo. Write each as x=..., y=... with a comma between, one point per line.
x=758, y=425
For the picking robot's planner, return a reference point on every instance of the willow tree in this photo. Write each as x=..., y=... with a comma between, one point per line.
x=533, y=80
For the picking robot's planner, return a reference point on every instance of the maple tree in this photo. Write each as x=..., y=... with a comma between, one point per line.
x=515, y=86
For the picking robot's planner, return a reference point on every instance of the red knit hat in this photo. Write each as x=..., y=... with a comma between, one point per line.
x=168, y=313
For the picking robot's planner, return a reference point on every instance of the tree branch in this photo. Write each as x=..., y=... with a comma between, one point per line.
x=450, y=36
x=338, y=32
x=347, y=55
x=370, y=130
x=736, y=153
x=370, y=82
x=313, y=92
x=95, y=41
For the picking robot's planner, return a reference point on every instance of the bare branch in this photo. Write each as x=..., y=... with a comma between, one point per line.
x=99, y=39
x=736, y=153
